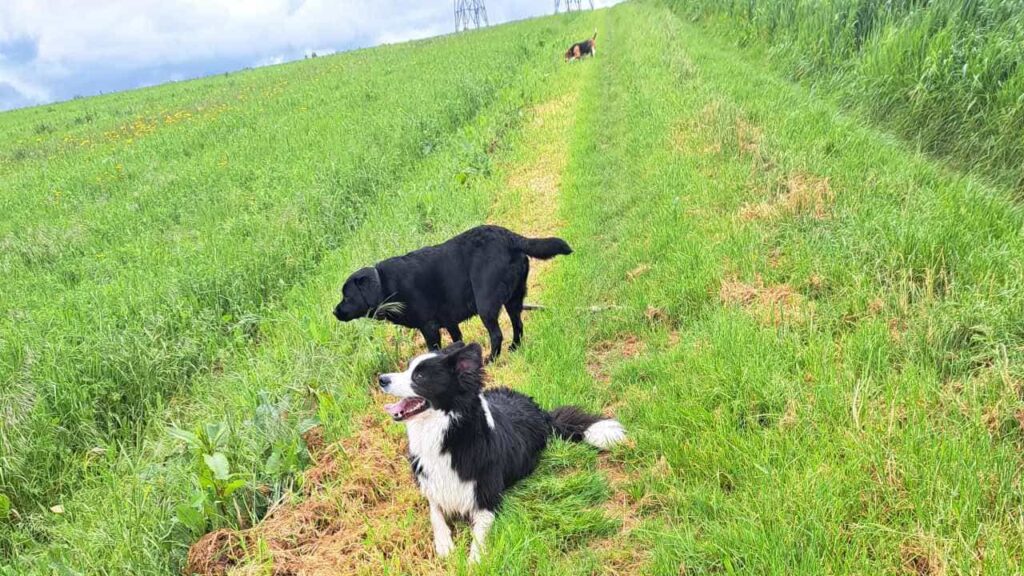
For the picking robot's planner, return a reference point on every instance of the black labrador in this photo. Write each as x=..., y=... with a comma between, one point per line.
x=476, y=272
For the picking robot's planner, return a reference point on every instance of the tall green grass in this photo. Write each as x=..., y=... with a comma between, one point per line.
x=946, y=74
x=139, y=245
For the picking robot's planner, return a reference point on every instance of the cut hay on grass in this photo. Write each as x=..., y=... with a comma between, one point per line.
x=361, y=511
x=804, y=195
x=770, y=304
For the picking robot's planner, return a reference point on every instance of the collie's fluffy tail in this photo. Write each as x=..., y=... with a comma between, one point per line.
x=543, y=248
x=575, y=425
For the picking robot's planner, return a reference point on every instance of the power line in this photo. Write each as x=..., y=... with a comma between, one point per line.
x=470, y=14
x=572, y=5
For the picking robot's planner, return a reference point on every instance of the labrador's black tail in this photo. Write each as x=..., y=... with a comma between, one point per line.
x=543, y=248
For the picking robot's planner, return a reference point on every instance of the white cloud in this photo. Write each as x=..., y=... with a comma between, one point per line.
x=28, y=91
x=414, y=33
x=112, y=39
x=270, y=61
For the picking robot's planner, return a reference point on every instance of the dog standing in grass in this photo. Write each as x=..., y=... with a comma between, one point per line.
x=477, y=272
x=467, y=446
x=578, y=50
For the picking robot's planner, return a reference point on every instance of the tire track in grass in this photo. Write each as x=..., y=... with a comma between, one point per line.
x=528, y=205
x=361, y=511
x=531, y=206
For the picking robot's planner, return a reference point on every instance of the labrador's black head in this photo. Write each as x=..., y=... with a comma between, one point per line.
x=361, y=295
x=447, y=380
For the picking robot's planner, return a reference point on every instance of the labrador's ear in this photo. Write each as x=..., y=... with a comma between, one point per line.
x=367, y=281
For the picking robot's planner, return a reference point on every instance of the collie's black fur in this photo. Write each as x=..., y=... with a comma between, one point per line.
x=467, y=447
x=476, y=272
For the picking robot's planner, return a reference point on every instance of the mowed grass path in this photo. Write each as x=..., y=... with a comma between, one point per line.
x=808, y=330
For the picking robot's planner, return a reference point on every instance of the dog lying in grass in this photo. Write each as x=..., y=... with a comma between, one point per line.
x=476, y=272
x=578, y=50
x=468, y=446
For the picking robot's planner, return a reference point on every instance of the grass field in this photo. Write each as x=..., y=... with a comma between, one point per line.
x=809, y=329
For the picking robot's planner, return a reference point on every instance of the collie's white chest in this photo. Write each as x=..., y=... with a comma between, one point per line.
x=437, y=478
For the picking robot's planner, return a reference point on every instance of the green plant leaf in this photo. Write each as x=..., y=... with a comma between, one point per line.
x=63, y=569
x=307, y=424
x=216, y=434
x=5, y=506
x=185, y=436
x=232, y=486
x=192, y=518
x=273, y=464
x=218, y=464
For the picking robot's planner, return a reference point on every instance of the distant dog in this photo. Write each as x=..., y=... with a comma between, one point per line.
x=477, y=272
x=467, y=447
x=578, y=50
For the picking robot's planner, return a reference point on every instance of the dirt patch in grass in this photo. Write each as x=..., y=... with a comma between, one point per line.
x=770, y=304
x=656, y=315
x=361, y=511
x=620, y=554
x=697, y=135
x=215, y=553
x=314, y=439
x=748, y=137
x=920, y=556
x=621, y=505
x=876, y=306
x=803, y=194
x=603, y=354
x=789, y=417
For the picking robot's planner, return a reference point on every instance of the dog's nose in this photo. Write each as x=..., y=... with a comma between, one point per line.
x=384, y=380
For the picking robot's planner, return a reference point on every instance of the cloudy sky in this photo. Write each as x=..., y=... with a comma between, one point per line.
x=53, y=50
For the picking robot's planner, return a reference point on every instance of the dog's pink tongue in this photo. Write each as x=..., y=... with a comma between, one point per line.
x=395, y=410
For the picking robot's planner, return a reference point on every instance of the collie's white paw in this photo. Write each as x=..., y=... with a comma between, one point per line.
x=443, y=546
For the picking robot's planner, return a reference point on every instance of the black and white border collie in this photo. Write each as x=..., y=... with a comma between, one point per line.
x=467, y=446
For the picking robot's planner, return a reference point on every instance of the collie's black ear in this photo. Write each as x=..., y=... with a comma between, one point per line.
x=451, y=348
x=467, y=358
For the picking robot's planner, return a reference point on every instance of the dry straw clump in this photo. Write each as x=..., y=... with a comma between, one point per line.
x=770, y=304
x=804, y=195
x=361, y=513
